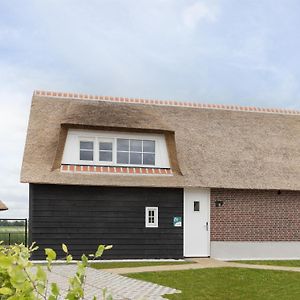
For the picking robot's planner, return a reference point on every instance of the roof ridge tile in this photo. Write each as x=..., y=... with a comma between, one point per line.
x=164, y=102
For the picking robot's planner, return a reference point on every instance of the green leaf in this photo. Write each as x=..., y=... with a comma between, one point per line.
x=69, y=258
x=84, y=260
x=6, y=291
x=6, y=261
x=41, y=274
x=54, y=289
x=100, y=250
x=108, y=247
x=50, y=253
x=65, y=248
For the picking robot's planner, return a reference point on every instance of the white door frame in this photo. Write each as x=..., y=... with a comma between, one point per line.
x=205, y=193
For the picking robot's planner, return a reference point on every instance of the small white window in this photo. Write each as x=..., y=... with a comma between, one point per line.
x=151, y=216
x=86, y=150
x=105, y=151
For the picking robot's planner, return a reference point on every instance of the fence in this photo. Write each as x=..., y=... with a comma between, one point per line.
x=13, y=231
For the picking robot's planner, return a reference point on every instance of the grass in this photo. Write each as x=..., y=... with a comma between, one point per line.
x=285, y=263
x=227, y=283
x=129, y=264
x=12, y=234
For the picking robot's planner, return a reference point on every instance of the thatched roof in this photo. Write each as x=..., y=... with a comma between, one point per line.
x=221, y=146
x=3, y=206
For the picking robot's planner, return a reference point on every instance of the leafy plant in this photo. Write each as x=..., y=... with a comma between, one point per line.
x=20, y=279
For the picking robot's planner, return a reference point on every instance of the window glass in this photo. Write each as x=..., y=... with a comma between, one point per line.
x=105, y=156
x=196, y=206
x=105, y=146
x=136, y=152
x=86, y=150
x=136, y=145
x=135, y=158
x=86, y=145
x=151, y=217
x=123, y=145
x=86, y=155
x=149, y=146
x=148, y=159
x=105, y=151
x=123, y=158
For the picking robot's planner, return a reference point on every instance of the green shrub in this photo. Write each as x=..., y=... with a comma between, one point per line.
x=19, y=279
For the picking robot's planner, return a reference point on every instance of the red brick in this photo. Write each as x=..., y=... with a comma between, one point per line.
x=255, y=215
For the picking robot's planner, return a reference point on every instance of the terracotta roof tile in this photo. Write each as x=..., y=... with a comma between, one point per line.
x=165, y=102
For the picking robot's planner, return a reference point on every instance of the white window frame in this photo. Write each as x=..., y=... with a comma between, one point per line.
x=71, y=153
x=86, y=139
x=106, y=140
x=96, y=151
x=150, y=224
x=142, y=152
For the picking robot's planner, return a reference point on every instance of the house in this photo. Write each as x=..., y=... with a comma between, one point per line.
x=162, y=179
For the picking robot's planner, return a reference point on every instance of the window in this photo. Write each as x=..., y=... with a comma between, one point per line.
x=116, y=149
x=135, y=152
x=86, y=150
x=196, y=206
x=151, y=216
x=106, y=151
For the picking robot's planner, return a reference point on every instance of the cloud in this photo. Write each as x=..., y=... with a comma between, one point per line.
x=161, y=48
x=17, y=83
x=199, y=11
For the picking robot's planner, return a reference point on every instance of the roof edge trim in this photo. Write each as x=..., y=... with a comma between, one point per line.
x=79, y=96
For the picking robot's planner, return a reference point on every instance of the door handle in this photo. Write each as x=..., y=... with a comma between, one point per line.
x=206, y=226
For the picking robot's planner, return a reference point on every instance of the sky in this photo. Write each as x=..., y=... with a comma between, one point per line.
x=214, y=51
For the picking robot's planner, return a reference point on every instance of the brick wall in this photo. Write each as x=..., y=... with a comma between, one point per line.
x=255, y=215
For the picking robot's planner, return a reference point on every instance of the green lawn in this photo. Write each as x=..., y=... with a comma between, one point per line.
x=12, y=234
x=285, y=263
x=227, y=283
x=113, y=265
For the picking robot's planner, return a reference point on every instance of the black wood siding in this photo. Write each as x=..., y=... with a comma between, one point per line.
x=83, y=217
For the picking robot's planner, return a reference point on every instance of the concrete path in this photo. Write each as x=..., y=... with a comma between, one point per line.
x=119, y=287
x=199, y=263
x=196, y=264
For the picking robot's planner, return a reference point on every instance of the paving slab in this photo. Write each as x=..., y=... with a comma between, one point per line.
x=119, y=287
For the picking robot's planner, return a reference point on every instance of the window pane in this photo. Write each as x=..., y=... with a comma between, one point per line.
x=196, y=206
x=86, y=145
x=136, y=145
x=123, y=157
x=149, y=159
x=105, y=146
x=86, y=155
x=149, y=146
x=135, y=158
x=122, y=145
x=105, y=156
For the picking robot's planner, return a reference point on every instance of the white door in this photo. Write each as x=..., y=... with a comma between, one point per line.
x=196, y=222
